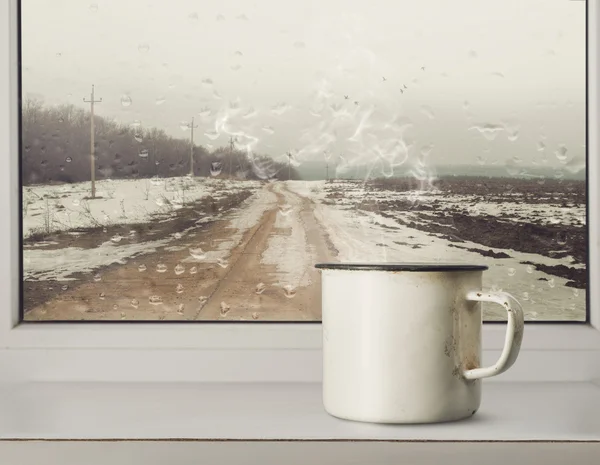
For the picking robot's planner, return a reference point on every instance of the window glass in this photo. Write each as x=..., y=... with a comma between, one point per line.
x=192, y=161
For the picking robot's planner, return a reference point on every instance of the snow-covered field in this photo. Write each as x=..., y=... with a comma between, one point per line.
x=362, y=236
x=51, y=208
x=63, y=208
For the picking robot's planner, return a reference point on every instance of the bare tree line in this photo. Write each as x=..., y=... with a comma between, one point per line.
x=55, y=148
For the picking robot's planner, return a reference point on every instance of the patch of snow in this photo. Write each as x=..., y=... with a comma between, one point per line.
x=287, y=248
x=51, y=208
x=60, y=264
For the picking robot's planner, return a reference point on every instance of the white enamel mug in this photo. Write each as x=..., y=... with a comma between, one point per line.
x=402, y=342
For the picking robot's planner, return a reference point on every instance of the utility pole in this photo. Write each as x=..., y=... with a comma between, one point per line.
x=231, y=141
x=91, y=101
x=191, y=126
x=289, y=154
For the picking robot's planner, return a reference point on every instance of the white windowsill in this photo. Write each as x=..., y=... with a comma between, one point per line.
x=262, y=411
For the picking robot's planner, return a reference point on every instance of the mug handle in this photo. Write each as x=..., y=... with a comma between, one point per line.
x=514, y=333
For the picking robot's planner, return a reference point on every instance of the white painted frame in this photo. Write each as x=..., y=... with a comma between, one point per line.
x=241, y=352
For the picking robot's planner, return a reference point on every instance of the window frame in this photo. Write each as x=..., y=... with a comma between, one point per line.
x=239, y=351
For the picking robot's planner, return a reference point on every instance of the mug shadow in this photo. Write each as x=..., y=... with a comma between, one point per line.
x=477, y=418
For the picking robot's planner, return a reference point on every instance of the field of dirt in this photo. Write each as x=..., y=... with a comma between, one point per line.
x=531, y=235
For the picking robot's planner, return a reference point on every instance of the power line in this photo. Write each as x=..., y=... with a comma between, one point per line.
x=92, y=101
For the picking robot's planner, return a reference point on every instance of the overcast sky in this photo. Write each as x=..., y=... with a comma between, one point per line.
x=275, y=73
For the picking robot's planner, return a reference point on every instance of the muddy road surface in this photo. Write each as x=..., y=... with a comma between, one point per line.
x=255, y=263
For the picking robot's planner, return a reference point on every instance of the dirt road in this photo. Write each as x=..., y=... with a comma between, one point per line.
x=257, y=263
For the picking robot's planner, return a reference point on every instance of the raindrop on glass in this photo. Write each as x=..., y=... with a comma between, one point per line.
x=561, y=238
x=202, y=299
x=215, y=168
x=198, y=253
x=205, y=112
x=138, y=137
x=525, y=295
x=561, y=152
x=68, y=159
x=126, y=101
x=575, y=292
x=135, y=303
x=142, y=268
x=193, y=270
x=511, y=271
x=116, y=238
x=101, y=296
x=161, y=268
x=155, y=300
x=260, y=288
x=255, y=315
x=551, y=282
x=529, y=269
x=212, y=135
x=289, y=291
x=97, y=277
x=224, y=308
x=180, y=309
x=179, y=288
x=179, y=269
x=65, y=287
x=222, y=263
x=160, y=100
x=144, y=153
x=144, y=47
x=285, y=210
x=123, y=315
